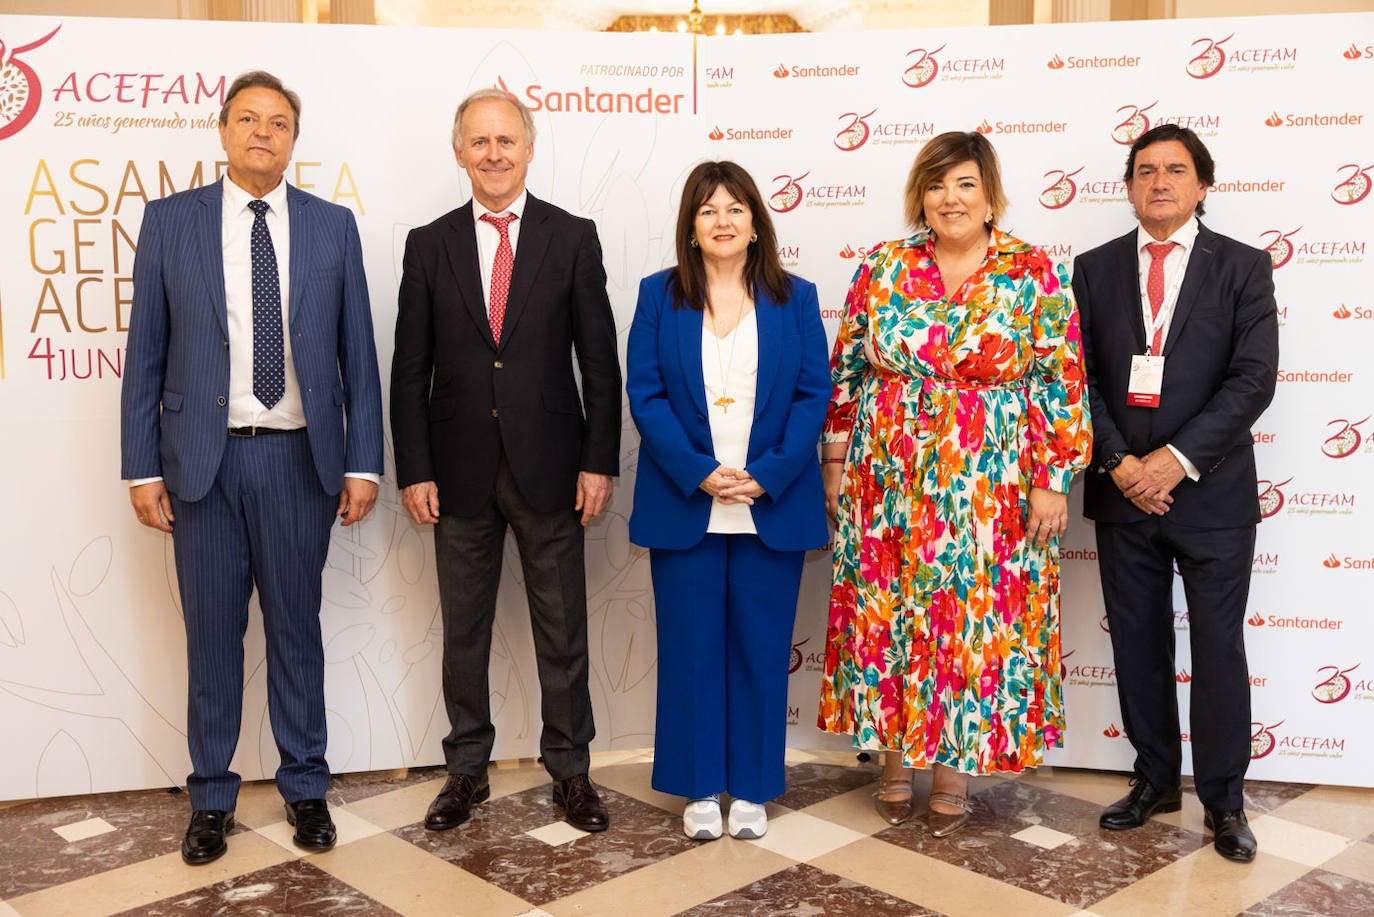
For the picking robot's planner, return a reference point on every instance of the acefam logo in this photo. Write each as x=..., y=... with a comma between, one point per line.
x=21, y=92
x=1353, y=187
x=1211, y=59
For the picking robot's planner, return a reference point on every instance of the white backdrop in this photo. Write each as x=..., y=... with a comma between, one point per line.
x=106, y=114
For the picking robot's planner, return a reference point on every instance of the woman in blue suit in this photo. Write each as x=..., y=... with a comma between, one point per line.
x=728, y=384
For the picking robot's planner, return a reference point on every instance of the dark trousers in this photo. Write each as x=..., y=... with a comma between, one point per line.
x=265, y=521
x=725, y=610
x=1136, y=561
x=468, y=551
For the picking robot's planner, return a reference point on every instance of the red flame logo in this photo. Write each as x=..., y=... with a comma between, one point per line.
x=1262, y=740
x=854, y=134
x=1280, y=249
x=847, y=252
x=717, y=133
x=1255, y=620
x=1210, y=61
x=1055, y=63
x=1274, y=120
x=1183, y=677
x=20, y=89
x=1345, y=441
x=1336, y=687
x=1342, y=312
x=924, y=70
x=788, y=196
x=984, y=128
x=1111, y=731
x=782, y=71
x=1352, y=52
x=1354, y=187
x=1134, y=125
x=1332, y=563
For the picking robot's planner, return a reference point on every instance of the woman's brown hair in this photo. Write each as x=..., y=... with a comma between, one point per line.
x=944, y=152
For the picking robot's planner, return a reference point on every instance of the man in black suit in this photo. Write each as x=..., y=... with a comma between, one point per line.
x=490, y=432
x=1180, y=333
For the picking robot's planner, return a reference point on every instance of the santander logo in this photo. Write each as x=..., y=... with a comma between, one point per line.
x=788, y=196
x=1055, y=63
x=1209, y=62
x=1262, y=740
x=1332, y=562
x=1354, y=187
x=717, y=133
x=1111, y=731
x=1335, y=687
x=924, y=70
x=1280, y=248
x=1271, y=497
x=20, y=90
x=854, y=134
x=782, y=73
x=1134, y=124
x=1061, y=191
x=1345, y=441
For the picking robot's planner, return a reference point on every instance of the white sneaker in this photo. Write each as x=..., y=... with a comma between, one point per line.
x=701, y=818
x=748, y=820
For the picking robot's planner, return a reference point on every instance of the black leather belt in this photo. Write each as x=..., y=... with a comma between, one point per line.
x=259, y=431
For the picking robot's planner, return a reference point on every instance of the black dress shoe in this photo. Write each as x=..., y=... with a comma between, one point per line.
x=204, y=841
x=582, y=807
x=454, y=803
x=1233, y=838
x=1135, y=808
x=314, y=827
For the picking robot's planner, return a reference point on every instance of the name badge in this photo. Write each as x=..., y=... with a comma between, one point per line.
x=1147, y=379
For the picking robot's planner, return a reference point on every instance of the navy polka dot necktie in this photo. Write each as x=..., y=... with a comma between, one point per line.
x=269, y=365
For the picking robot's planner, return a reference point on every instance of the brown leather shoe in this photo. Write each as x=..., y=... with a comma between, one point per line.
x=582, y=807
x=454, y=803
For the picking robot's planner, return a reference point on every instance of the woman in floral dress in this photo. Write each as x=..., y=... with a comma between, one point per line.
x=958, y=419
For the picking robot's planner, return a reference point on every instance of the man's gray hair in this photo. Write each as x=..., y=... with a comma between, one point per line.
x=493, y=93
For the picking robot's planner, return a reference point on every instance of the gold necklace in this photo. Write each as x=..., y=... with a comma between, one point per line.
x=724, y=401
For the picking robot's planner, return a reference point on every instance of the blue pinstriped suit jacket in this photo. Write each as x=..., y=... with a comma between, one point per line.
x=174, y=402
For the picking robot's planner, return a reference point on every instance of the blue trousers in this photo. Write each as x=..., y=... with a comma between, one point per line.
x=725, y=610
x=265, y=521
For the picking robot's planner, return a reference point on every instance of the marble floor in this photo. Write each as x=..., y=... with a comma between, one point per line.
x=1032, y=848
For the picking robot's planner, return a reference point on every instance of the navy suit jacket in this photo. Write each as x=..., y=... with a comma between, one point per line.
x=667, y=395
x=1220, y=370
x=174, y=407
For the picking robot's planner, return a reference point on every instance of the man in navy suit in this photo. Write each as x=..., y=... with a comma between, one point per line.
x=251, y=418
x=1180, y=332
x=490, y=432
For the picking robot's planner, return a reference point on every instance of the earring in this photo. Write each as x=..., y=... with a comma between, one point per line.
x=988, y=221
x=692, y=241
x=753, y=237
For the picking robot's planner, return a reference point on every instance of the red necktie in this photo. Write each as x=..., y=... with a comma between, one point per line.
x=500, y=272
x=1154, y=288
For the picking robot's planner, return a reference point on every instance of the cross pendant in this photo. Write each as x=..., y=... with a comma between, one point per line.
x=724, y=402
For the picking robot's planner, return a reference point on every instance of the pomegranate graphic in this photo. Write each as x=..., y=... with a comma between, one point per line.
x=1255, y=620
x=847, y=252
x=1281, y=249
x=1343, y=442
x=1355, y=186
x=1111, y=731
x=716, y=133
x=20, y=90
x=795, y=662
x=1055, y=63
x=1270, y=497
x=854, y=134
x=1342, y=312
x=1262, y=740
x=1183, y=677
x=984, y=128
x=782, y=72
x=1336, y=687
x=1063, y=667
x=1332, y=562
x=1274, y=120
x=789, y=195
x=926, y=68
x=1061, y=191
x=1135, y=124
x=1352, y=52
x=1102, y=623
x=1211, y=60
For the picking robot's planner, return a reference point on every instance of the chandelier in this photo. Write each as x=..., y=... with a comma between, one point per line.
x=695, y=22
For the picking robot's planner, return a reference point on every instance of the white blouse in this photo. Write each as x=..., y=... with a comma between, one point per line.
x=730, y=369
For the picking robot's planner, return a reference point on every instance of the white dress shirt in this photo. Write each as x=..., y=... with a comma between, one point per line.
x=489, y=238
x=730, y=366
x=1175, y=266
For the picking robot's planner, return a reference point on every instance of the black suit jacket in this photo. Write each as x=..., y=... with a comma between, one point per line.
x=458, y=398
x=1220, y=369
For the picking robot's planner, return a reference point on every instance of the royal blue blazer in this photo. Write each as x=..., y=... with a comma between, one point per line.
x=667, y=395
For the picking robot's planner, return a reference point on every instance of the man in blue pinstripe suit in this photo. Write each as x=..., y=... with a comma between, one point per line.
x=251, y=417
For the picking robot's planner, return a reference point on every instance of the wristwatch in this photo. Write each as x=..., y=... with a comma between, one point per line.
x=1112, y=461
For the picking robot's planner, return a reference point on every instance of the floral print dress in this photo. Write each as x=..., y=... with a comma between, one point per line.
x=943, y=635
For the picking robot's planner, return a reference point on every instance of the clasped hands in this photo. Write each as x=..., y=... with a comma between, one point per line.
x=732, y=485
x=1148, y=482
